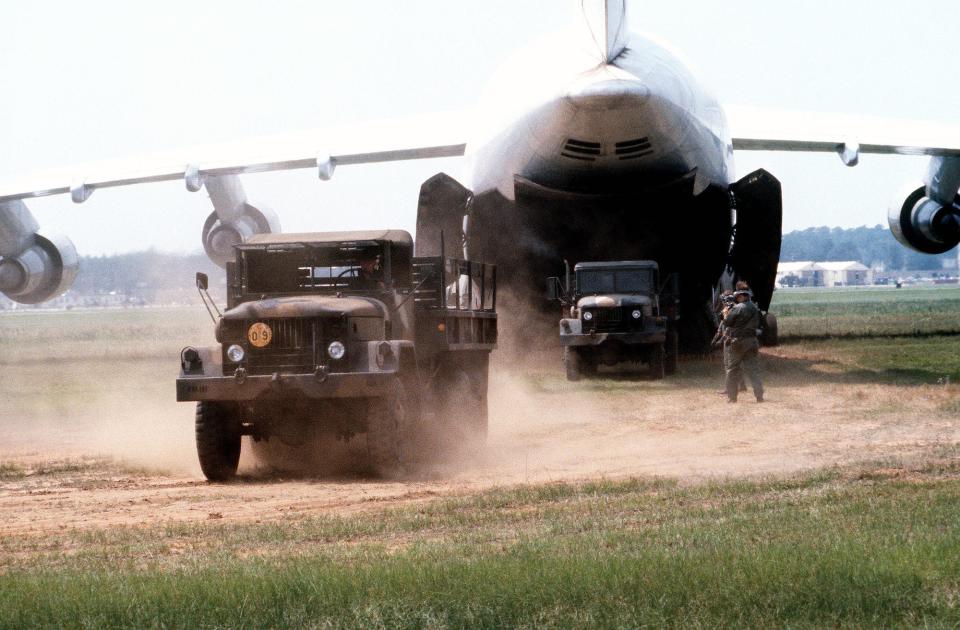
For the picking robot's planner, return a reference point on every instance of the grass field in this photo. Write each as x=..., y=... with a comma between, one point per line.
x=78, y=378
x=873, y=544
x=868, y=311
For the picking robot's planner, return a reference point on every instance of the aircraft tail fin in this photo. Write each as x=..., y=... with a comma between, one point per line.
x=607, y=21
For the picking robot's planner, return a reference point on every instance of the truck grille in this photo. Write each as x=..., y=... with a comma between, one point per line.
x=607, y=318
x=292, y=348
x=289, y=333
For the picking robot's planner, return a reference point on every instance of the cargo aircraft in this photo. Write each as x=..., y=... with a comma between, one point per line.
x=596, y=147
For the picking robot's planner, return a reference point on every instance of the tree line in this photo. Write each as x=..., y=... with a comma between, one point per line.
x=140, y=273
x=873, y=246
x=148, y=272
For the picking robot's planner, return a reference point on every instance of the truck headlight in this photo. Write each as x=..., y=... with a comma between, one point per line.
x=336, y=350
x=587, y=316
x=235, y=353
x=636, y=314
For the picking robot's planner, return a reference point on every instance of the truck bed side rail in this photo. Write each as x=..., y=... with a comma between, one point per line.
x=453, y=284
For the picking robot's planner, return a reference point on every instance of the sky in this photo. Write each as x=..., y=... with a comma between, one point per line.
x=83, y=81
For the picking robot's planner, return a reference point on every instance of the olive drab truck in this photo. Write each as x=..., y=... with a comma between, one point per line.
x=616, y=311
x=347, y=331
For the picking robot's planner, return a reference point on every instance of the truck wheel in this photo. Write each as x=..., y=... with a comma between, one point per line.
x=657, y=362
x=572, y=361
x=588, y=366
x=671, y=352
x=769, y=331
x=389, y=422
x=218, y=440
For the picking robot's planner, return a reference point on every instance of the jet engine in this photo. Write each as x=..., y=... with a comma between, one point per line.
x=34, y=266
x=234, y=219
x=219, y=236
x=924, y=224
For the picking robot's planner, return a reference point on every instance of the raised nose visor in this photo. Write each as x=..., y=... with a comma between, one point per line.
x=607, y=94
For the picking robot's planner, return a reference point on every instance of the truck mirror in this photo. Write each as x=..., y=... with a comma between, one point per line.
x=202, y=281
x=553, y=288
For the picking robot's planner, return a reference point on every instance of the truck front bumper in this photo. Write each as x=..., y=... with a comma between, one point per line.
x=334, y=385
x=571, y=334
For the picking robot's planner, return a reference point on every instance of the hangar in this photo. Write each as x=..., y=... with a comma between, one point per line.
x=808, y=273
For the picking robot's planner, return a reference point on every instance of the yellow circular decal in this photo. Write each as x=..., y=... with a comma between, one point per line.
x=259, y=335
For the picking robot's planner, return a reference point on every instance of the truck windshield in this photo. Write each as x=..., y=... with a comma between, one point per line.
x=620, y=281
x=307, y=267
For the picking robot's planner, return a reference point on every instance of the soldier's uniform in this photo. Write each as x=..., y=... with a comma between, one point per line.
x=718, y=340
x=741, y=348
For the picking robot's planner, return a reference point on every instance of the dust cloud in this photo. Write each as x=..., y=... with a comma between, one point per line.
x=542, y=429
x=142, y=432
x=150, y=434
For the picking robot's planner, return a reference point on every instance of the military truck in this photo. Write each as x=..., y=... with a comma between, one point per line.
x=346, y=331
x=617, y=311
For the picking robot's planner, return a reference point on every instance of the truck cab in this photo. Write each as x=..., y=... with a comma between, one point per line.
x=616, y=311
x=346, y=332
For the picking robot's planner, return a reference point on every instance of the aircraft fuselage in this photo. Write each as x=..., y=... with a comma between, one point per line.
x=626, y=159
x=635, y=122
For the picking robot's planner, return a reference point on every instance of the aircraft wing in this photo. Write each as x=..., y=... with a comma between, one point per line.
x=433, y=136
x=758, y=129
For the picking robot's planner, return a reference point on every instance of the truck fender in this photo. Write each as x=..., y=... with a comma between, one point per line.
x=210, y=361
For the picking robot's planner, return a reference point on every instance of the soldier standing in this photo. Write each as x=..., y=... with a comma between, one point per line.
x=727, y=301
x=741, y=348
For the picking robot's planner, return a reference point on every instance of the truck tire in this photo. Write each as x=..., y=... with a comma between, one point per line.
x=671, y=352
x=657, y=362
x=769, y=331
x=573, y=363
x=218, y=439
x=389, y=423
x=588, y=365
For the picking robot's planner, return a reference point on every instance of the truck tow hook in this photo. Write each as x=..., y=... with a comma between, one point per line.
x=275, y=383
x=240, y=375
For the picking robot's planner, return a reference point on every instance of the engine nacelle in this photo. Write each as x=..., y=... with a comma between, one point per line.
x=42, y=271
x=219, y=236
x=923, y=224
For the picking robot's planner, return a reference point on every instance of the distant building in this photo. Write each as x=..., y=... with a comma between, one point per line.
x=848, y=273
x=823, y=274
x=799, y=274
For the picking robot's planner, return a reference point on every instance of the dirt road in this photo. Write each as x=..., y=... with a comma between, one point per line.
x=541, y=429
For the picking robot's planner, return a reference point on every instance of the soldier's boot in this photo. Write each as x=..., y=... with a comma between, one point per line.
x=731, y=392
x=758, y=392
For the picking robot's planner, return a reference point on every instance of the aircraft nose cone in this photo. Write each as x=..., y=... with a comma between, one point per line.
x=607, y=94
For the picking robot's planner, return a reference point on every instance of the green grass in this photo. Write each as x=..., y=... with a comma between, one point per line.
x=854, y=295
x=903, y=360
x=878, y=546
x=856, y=312
x=71, y=336
x=836, y=548
x=12, y=470
x=68, y=368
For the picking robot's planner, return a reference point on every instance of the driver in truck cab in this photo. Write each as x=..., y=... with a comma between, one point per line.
x=369, y=276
